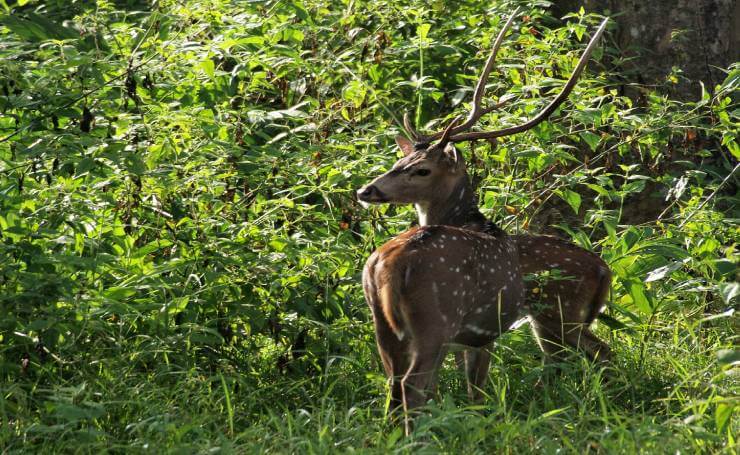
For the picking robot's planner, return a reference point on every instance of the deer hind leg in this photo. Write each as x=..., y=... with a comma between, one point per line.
x=583, y=339
x=549, y=336
x=575, y=317
x=393, y=352
x=598, y=349
x=555, y=335
x=563, y=320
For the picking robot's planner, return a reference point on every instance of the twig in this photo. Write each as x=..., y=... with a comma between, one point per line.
x=704, y=202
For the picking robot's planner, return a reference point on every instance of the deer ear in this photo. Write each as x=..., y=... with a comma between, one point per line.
x=453, y=155
x=406, y=146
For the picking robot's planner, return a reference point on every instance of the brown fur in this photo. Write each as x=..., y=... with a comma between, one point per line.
x=387, y=298
x=430, y=287
x=563, y=306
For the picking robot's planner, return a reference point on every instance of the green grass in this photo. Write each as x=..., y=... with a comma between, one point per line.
x=660, y=396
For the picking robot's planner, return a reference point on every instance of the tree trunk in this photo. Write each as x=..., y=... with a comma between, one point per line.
x=697, y=36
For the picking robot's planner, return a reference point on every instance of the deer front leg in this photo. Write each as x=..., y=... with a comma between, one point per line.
x=394, y=355
x=475, y=364
x=420, y=377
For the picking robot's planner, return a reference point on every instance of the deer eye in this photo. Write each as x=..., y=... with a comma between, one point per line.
x=422, y=172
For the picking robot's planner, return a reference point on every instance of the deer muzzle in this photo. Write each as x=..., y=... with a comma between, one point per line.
x=370, y=194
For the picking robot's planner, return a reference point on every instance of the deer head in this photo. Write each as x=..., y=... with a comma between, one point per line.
x=433, y=177
x=417, y=176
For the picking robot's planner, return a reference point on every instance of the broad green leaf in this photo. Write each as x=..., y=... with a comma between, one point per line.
x=662, y=272
x=175, y=305
x=355, y=92
x=118, y=293
x=300, y=10
x=722, y=416
x=38, y=28
x=599, y=189
x=591, y=139
x=639, y=295
x=208, y=67
x=572, y=198
x=422, y=31
x=151, y=247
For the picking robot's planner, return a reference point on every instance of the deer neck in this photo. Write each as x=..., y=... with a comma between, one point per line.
x=457, y=208
x=454, y=208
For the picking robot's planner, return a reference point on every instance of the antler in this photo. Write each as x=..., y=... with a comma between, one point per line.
x=448, y=131
x=458, y=133
x=480, y=88
x=550, y=108
x=415, y=135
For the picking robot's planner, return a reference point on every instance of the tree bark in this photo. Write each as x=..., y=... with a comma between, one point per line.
x=700, y=37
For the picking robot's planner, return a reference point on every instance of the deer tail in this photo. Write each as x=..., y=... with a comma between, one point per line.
x=390, y=301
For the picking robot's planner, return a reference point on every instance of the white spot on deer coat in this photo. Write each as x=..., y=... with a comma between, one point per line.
x=477, y=330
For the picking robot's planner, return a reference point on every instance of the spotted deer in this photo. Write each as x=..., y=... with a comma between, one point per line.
x=433, y=286
x=433, y=177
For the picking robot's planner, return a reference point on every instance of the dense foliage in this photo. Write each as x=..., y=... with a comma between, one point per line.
x=180, y=248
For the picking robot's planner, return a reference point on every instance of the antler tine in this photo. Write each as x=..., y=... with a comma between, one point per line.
x=550, y=108
x=409, y=127
x=480, y=86
x=448, y=131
